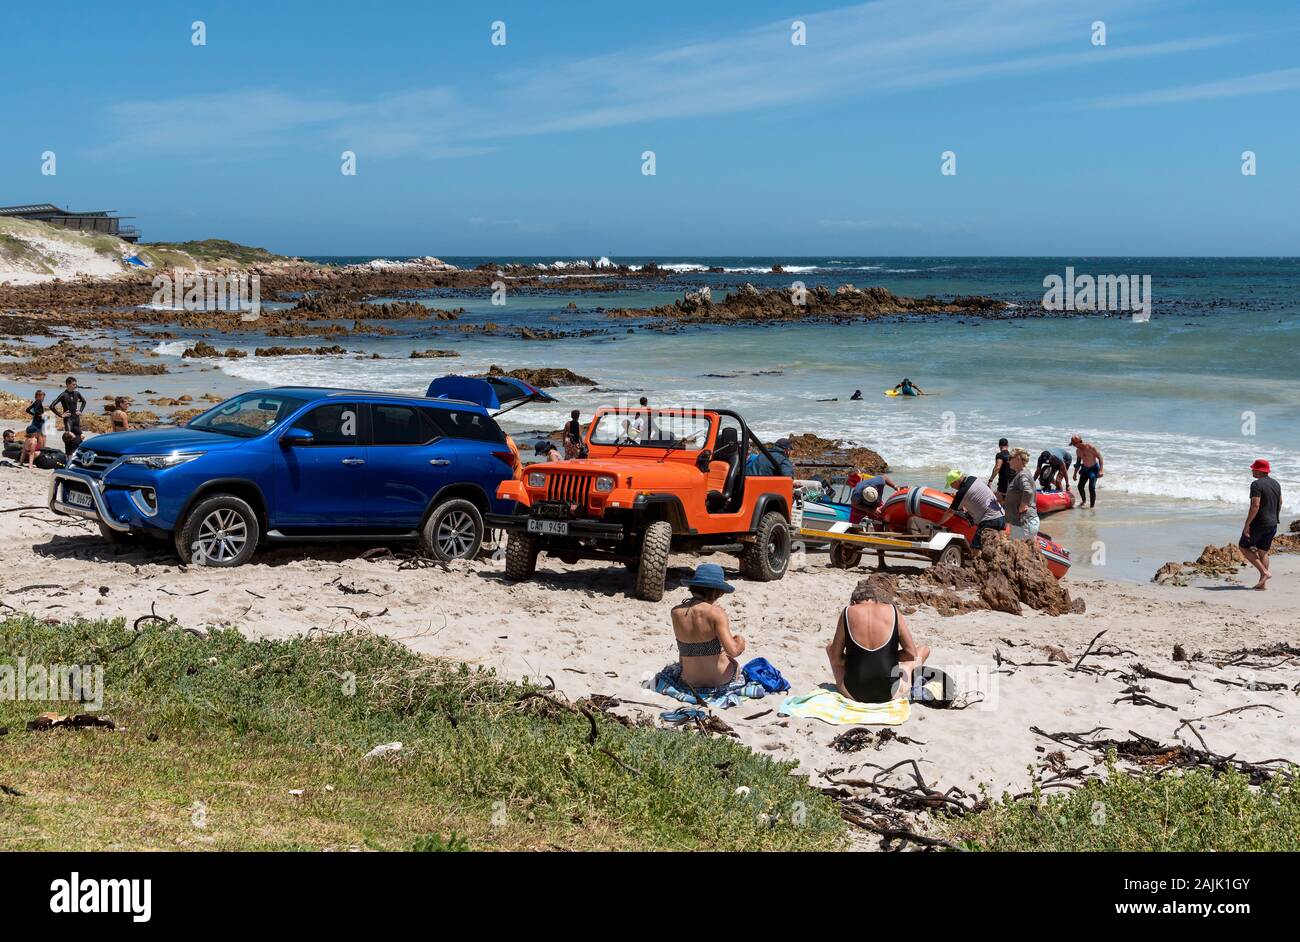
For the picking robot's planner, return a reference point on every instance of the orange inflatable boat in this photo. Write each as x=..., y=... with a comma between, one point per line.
x=912, y=508
x=1049, y=502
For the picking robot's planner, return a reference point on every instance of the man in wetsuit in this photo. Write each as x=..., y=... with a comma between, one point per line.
x=908, y=388
x=1001, y=470
x=1088, y=469
x=977, y=502
x=69, y=406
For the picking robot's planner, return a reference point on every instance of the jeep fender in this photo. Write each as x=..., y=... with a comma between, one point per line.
x=664, y=507
x=768, y=502
x=513, y=489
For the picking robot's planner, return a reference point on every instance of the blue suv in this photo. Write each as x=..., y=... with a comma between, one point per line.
x=295, y=463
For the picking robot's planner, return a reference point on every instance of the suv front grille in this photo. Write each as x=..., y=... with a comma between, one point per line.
x=97, y=462
x=570, y=488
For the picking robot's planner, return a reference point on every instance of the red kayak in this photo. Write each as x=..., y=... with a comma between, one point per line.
x=1049, y=502
x=927, y=504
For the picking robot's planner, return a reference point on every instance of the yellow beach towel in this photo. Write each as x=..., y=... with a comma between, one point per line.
x=830, y=706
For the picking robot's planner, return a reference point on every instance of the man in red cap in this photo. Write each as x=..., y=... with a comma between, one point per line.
x=1261, y=520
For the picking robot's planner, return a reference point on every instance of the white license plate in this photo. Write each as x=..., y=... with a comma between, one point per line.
x=80, y=498
x=554, y=527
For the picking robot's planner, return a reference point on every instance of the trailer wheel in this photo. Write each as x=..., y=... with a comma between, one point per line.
x=845, y=556
x=952, y=555
x=653, y=567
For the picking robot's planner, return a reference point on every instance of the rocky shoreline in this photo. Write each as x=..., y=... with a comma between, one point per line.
x=846, y=303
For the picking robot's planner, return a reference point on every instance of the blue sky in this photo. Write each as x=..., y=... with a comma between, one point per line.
x=762, y=147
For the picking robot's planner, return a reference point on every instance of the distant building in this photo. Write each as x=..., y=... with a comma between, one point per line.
x=88, y=221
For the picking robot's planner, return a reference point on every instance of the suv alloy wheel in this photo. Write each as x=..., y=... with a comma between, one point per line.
x=221, y=530
x=453, y=531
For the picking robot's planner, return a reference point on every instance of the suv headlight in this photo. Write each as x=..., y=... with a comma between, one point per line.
x=605, y=484
x=158, y=462
x=536, y=479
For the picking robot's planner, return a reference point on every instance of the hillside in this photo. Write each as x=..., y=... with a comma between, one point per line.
x=32, y=252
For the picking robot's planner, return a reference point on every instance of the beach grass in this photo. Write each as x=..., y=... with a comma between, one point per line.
x=227, y=743
x=1194, y=810
x=214, y=251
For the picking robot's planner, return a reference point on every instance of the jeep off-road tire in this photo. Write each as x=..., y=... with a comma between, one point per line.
x=766, y=559
x=221, y=530
x=521, y=556
x=453, y=531
x=652, y=569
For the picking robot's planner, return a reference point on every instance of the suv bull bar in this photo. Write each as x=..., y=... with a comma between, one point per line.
x=100, y=513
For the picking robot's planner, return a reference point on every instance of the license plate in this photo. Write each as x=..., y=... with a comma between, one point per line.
x=80, y=498
x=553, y=527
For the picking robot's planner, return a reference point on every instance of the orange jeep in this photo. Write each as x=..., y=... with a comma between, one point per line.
x=655, y=480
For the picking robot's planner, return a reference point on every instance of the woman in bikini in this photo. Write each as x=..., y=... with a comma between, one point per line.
x=120, y=417
x=705, y=643
x=873, y=654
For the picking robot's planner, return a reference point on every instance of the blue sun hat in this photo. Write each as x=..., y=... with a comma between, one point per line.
x=709, y=576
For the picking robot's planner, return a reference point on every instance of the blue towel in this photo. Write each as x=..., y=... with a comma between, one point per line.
x=761, y=672
x=669, y=683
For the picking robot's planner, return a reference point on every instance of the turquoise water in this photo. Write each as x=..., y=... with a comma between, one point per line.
x=1180, y=405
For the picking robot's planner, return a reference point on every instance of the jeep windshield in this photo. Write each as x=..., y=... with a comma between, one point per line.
x=646, y=428
x=247, y=416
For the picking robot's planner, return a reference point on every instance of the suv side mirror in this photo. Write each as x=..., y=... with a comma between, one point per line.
x=297, y=437
x=703, y=459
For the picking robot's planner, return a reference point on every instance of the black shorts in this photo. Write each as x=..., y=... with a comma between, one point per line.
x=1260, y=538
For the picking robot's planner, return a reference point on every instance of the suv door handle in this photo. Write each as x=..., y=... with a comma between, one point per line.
x=439, y=462
x=354, y=460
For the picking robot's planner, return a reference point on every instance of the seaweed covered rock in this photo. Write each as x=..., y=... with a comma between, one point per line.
x=543, y=376
x=813, y=449
x=1013, y=573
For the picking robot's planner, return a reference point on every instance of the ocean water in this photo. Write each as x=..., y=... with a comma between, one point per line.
x=1179, y=405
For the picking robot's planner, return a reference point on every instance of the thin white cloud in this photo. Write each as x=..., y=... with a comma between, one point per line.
x=853, y=53
x=1261, y=83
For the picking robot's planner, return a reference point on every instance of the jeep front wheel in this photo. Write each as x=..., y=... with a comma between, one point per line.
x=653, y=567
x=521, y=556
x=220, y=531
x=766, y=559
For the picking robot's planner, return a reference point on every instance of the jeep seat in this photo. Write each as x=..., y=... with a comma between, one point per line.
x=717, y=499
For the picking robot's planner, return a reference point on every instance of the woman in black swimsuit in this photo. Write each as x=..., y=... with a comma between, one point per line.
x=873, y=654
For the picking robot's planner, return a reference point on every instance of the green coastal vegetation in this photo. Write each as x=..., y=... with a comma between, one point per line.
x=1193, y=810
x=227, y=743
x=262, y=743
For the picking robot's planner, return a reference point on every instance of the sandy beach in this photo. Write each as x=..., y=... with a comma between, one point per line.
x=578, y=626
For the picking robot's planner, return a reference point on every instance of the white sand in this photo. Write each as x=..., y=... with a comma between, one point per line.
x=577, y=625
x=64, y=254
